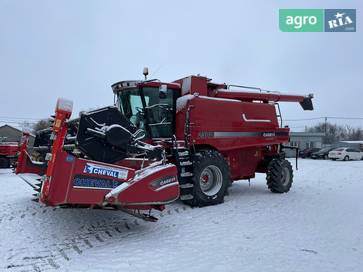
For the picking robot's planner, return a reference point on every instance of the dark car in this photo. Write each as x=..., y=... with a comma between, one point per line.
x=322, y=153
x=306, y=153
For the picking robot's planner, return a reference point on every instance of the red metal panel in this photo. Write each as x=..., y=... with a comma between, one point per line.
x=142, y=191
x=198, y=84
x=8, y=148
x=67, y=167
x=229, y=125
x=243, y=162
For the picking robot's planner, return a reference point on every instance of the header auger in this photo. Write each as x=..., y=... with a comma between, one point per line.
x=190, y=138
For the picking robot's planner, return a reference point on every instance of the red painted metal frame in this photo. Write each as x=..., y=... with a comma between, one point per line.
x=24, y=163
x=59, y=131
x=267, y=97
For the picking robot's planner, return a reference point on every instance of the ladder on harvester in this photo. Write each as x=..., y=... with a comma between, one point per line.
x=185, y=171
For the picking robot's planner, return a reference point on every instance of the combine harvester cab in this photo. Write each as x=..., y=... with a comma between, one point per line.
x=71, y=176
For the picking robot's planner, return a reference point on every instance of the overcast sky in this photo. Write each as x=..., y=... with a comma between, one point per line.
x=77, y=49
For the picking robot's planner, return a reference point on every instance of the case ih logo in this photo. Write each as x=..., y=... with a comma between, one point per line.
x=269, y=134
x=163, y=183
x=101, y=170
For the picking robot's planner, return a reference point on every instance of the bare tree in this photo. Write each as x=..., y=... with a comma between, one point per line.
x=41, y=124
x=26, y=126
x=335, y=133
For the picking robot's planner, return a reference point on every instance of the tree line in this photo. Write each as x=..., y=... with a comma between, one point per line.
x=335, y=133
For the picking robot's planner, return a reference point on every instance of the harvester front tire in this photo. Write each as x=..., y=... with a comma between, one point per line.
x=279, y=176
x=209, y=166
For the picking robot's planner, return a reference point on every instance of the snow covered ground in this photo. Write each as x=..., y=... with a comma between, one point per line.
x=317, y=226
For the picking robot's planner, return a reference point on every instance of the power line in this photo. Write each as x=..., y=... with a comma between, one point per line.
x=298, y=127
x=346, y=118
x=20, y=118
x=17, y=122
x=325, y=117
x=305, y=119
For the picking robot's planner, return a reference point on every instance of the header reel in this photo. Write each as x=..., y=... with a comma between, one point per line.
x=106, y=135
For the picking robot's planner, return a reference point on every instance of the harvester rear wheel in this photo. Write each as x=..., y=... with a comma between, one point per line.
x=211, y=178
x=279, y=176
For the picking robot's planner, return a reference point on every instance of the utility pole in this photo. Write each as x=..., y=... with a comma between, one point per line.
x=325, y=130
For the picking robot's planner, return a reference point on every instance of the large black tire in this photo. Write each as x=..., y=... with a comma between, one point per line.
x=4, y=162
x=209, y=169
x=279, y=176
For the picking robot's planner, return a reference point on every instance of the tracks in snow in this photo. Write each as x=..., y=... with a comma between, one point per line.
x=57, y=250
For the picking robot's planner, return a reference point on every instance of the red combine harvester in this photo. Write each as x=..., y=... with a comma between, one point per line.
x=8, y=153
x=190, y=137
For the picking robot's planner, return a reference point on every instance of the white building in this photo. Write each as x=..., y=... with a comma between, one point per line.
x=304, y=140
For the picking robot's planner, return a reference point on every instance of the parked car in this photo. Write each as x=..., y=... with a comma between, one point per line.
x=345, y=154
x=322, y=153
x=306, y=153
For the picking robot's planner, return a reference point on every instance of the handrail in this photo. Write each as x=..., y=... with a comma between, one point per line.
x=252, y=88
